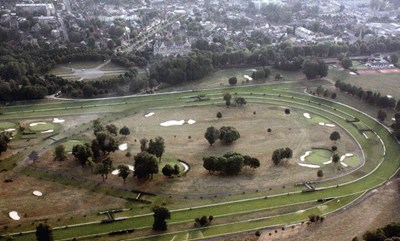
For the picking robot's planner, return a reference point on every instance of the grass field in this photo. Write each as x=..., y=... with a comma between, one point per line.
x=318, y=157
x=270, y=104
x=7, y=125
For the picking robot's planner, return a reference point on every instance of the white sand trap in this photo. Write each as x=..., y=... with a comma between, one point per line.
x=308, y=165
x=190, y=121
x=185, y=167
x=14, y=215
x=149, y=114
x=300, y=211
x=123, y=147
x=393, y=119
x=248, y=77
x=37, y=123
x=389, y=96
x=173, y=123
x=344, y=164
x=303, y=157
x=330, y=125
x=115, y=172
x=132, y=168
x=37, y=193
x=365, y=135
x=321, y=124
x=328, y=162
x=342, y=158
x=10, y=129
x=48, y=131
x=352, y=73
x=307, y=115
x=56, y=120
x=349, y=154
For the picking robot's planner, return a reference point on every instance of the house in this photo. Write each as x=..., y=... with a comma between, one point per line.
x=167, y=48
x=35, y=9
x=305, y=33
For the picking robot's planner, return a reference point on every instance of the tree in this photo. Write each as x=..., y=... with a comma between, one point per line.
x=287, y=111
x=240, y=101
x=251, y=162
x=333, y=96
x=112, y=129
x=335, y=158
x=123, y=172
x=143, y=144
x=156, y=147
x=320, y=173
x=382, y=115
x=212, y=134
x=228, y=134
x=82, y=153
x=88, y=90
x=145, y=165
x=232, y=81
x=227, y=97
x=346, y=63
x=124, y=131
x=104, y=168
x=279, y=154
x=168, y=170
x=219, y=115
x=59, y=153
x=394, y=58
x=334, y=136
x=313, y=69
x=4, y=140
x=44, y=232
x=160, y=215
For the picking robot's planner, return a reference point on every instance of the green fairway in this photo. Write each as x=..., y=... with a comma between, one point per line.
x=70, y=144
x=7, y=125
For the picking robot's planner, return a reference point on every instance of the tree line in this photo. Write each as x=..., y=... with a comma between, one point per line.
x=231, y=163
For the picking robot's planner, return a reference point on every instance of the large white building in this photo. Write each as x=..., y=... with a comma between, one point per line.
x=35, y=9
x=260, y=3
x=305, y=33
x=167, y=48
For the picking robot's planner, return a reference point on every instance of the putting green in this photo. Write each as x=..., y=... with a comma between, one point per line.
x=7, y=125
x=70, y=144
x=41, y=127
x=352, y=161
x=318, y=157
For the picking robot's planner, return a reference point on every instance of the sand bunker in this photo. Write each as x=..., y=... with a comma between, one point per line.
x=149, y=114
x=190, y=121
x=307, y=115
x=393, y=119
x=14, y=215
x=352, y=73
x=328, y=162
x=56, y=120
x=321, y=124
x=48, y=131
x=132, y=168
x=37, y=193
x=330, y=125
x=116, y=171
x=173, y=123
x=303, y=157
x=9, y=129
x=123, y=147
x=185, y=166
x=344, y=164
x=37, y=123
x=349, y=154
x=308, y=165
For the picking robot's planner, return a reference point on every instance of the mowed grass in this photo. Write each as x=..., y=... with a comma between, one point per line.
x=386, y=84
x=7, y=125
x=66, y=68
x=43, y=127
x=68, y=145
x=318, y=157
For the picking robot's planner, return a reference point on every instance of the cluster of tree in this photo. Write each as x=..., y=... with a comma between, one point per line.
x=289, y=64
x=390, y=232
x=315, y=218
x=44, y=232
x=180, y=69
x=238, y=99
x=231, y=163
x=261, y=73
x=226, y=134
x=160, y=215
x=396, y=126
x=373, y=98
x=155, y=147
x=282, y=153
x=203, y=221
x=315, y=69
x=168, y=170
x=145, y=164
x=4, y=140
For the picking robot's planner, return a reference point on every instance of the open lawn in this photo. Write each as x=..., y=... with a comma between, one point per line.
x=386, y=84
